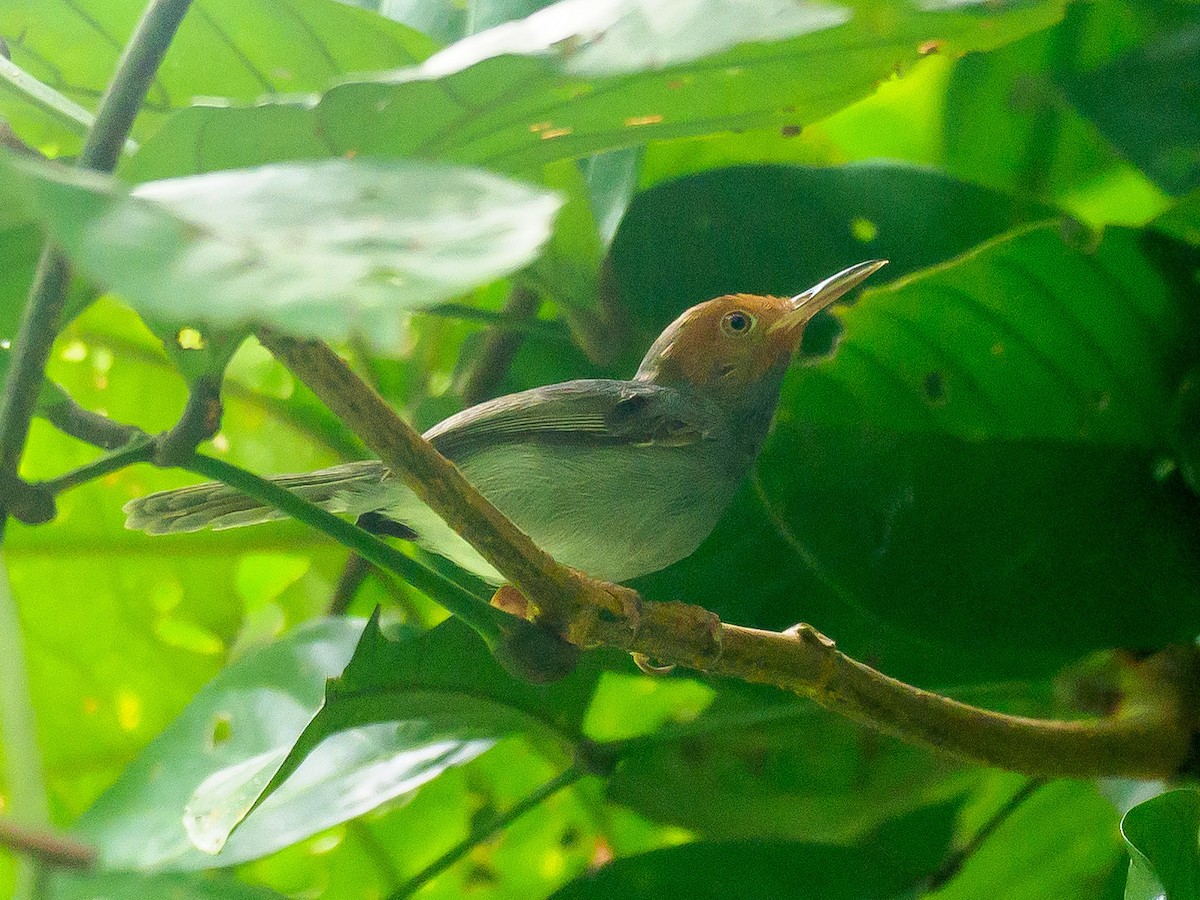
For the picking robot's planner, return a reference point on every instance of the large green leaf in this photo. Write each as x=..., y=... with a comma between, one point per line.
x=329, y=248
x=566, y=82
x=1060, y=843
x=1164, y=848
x=888, y=865
x=1006, y=123
x=228, y=49
x=175, y=800
x=759, y=764
x=121, y=630
x=446, y=680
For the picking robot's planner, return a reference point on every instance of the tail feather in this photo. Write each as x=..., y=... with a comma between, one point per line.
x=217, y=506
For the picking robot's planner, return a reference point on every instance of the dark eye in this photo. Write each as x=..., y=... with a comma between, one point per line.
x=737, y=322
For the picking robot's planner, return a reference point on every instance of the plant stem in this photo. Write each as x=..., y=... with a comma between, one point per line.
x=140, y=449
x=48, y=293
x=953, y=863
x=489, y=622
x=480, y=833
x=135, y=73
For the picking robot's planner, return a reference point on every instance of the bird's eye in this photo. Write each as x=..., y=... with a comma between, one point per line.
x=737, y=322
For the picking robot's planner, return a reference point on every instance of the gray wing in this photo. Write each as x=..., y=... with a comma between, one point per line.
x=593, y=412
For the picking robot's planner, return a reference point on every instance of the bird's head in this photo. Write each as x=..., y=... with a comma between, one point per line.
x=728, y=347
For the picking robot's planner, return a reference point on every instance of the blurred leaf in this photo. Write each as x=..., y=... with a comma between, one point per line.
x=251, y=710
x=233, y=49
x=1007, y=124
x=1182, y=221
x=1164, y=847
x=612, y=180
x=443, y=686
x=1060, y=844
x=1147, y=101
x=576, y=87
x=329, y=248
x=136, y=886
x=1185, y=429
x=886, y=866
x=760, y=764
x=18, y=86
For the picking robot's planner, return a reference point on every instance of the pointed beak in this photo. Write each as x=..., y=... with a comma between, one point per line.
x=806, y=305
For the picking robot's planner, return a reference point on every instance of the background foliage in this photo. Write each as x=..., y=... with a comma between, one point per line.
x=990, y=484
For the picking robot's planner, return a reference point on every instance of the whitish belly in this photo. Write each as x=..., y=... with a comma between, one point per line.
x=613, y=513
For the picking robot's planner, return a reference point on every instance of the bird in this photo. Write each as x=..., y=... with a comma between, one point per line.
x=614, y=478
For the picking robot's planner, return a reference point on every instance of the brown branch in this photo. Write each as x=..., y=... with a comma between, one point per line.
x=1150, y=737
x=47, y=848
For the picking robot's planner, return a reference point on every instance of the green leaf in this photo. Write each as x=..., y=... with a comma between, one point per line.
x=1147, y=101
x=229, y=49
x=446, y=681
x=251, y=710
x=885, y=866
x=1006, y=123
x=758, y=764
x=328, y=248
x=1182, y=221
x=567, y=82
x=18, y=86
x=1164, y=848
x=212, y=761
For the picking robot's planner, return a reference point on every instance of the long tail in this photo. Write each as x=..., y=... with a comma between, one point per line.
x=215, y=505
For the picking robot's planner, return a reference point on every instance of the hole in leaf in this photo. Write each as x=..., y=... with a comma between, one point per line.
x=222, y=730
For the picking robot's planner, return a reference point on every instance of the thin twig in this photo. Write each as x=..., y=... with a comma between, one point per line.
x=46, y=847
x=480, y=833
x=953, y=863
x=140, y=449
x=354, y=573
x=91, y=428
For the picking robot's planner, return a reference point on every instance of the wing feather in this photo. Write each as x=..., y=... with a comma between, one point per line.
x=591, y=412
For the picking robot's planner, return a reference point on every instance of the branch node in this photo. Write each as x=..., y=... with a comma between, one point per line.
x=201, y=419
x=28, y=503
x=824, y=645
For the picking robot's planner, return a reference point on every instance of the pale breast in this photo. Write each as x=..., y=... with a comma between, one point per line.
x=613, y=512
